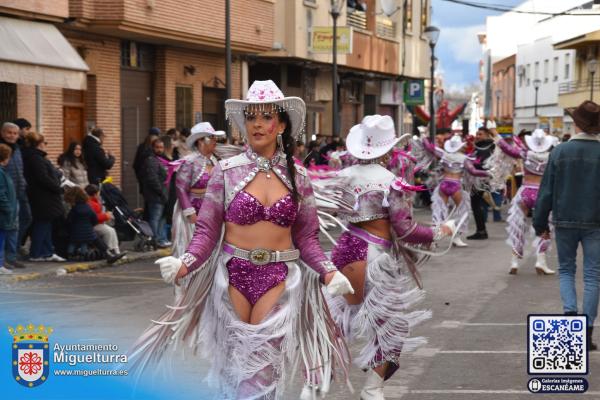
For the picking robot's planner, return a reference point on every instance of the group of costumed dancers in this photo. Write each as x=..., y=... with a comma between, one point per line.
x=255, y=291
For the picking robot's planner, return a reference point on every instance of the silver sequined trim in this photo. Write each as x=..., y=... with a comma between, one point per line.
x=328, y=266
x=188, y=259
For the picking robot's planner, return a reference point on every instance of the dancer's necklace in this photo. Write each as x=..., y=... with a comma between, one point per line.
x=264, y=164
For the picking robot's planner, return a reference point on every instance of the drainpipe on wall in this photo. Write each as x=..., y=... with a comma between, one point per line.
x=38, y=109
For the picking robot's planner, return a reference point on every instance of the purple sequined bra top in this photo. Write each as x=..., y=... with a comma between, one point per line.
x=202, y=183
x=245, y=209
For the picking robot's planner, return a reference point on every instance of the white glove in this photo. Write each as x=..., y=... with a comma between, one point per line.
x=169, y=266
x=452, y=226
x=339, y=284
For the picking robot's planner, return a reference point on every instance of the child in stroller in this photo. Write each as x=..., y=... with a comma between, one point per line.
x=128, y=223
x=80, y=222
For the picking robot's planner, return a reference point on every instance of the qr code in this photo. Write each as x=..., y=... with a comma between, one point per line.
x=557, y=344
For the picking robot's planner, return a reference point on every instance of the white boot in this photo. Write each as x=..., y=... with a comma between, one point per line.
x=514, y=264
x=458, y=242
x=373, y=389
x=307, y=392
x=541, y=267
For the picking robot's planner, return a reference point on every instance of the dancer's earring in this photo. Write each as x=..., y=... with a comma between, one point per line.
x=280, y=142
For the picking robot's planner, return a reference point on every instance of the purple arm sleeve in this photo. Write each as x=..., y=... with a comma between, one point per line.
x=209, y=224
x=432, y=148
x=470, y=168
x=182, y=185
x=305, y=231
x=512, y=151
x=405, y=227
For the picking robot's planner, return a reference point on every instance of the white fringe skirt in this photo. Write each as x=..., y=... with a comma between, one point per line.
x=517, y=226
x=383, y=320
x=181, y=231
x=440, y=210
x=250, y=361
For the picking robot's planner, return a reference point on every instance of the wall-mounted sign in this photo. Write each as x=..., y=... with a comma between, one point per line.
x=321, y=38
x=414, y=92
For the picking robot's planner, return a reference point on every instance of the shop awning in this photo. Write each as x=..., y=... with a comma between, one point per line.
x=36, y=53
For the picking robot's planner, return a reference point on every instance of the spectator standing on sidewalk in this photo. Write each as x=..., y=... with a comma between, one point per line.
x=144, y=150
x=484, y=147
x=97, y=159
x=9, y=135
x=570, y=189
x=73, y=166
x=45, y=197
x=24, y=128
x=9, y=216
x=155, y=192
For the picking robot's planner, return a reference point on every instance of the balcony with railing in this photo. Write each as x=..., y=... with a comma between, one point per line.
x=385, y=27
x=357, y=19
x=577, y=86
x=573, y=93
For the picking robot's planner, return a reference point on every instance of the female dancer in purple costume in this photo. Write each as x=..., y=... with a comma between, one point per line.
x=251, y=272
x=191, y=182
x=377, y=312
x=535, y=158
x=454, y=164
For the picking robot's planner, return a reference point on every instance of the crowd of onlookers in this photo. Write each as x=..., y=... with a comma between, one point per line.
x=56, y=210
x=53, y=211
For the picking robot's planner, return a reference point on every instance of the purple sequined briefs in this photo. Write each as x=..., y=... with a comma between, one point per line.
x=449, y=186
x=245, y=209
x=349, y=249
x=529, y=196
x=253, y=281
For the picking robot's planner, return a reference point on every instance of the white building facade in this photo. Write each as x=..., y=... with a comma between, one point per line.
x=538, y=64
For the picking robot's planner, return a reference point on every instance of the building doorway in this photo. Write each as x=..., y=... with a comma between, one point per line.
x=136, y=120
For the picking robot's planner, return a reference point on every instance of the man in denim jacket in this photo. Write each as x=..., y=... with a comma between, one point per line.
x=570, y=189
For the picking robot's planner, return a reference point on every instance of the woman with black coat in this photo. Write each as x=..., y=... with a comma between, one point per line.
x=44, y=193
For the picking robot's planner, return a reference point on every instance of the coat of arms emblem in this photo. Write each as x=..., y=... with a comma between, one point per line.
x=30, y=354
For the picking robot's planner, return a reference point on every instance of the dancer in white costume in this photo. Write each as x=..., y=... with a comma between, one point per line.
x=369, y=254
x=535, y=157
x=252, y=273
x=450, y=189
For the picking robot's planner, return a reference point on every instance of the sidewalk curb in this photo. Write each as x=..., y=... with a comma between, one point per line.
x=81, y=267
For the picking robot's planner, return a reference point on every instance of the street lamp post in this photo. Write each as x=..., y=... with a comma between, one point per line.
x=228, y=57
x=336, y=7
x=536, y=86
x=498, y=94
x=592, y=65
x=432, y=34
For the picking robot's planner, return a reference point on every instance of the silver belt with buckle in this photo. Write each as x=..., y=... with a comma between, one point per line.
x=261, y=256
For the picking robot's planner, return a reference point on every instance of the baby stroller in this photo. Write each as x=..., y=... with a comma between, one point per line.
x=128, y=224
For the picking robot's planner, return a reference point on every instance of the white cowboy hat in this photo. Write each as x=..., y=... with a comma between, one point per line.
x=539, y=141
x=490, y=124
x=453, y=144
x=267, y=92
x=201, y=130
x=372, y=138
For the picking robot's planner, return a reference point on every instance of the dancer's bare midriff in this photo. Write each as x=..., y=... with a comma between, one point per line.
x=377, y=227
x=532, y=179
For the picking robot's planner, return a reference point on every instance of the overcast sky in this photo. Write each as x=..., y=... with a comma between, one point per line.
x=458, y=50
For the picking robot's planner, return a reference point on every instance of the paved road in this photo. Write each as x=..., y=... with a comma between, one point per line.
x=477, y=336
